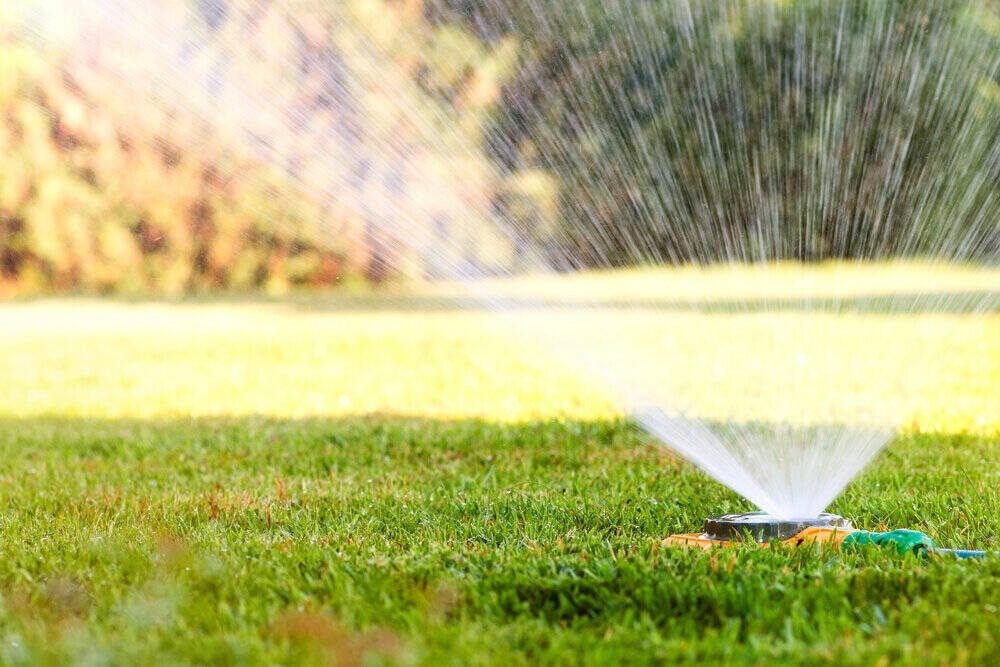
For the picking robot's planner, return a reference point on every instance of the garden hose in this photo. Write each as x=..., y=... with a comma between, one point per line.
x=760, y=528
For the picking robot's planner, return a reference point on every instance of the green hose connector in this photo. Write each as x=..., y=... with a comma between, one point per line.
x=905, y=541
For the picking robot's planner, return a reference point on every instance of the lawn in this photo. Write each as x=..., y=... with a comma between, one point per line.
x=386, y=478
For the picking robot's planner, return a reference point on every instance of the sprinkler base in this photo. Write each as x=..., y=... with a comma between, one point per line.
x=758, y=527
x=761, y=527
x=836, y=531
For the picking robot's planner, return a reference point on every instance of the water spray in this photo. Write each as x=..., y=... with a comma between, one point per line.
x=824, y=529
x=489, y=141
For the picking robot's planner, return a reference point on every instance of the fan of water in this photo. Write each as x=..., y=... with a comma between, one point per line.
x=713, y=154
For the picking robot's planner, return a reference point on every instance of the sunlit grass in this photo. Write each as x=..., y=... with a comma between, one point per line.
x=912, y=352
x=377, y=479
x=325, y=358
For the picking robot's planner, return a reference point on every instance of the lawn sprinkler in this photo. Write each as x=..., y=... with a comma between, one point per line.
x=762, y=528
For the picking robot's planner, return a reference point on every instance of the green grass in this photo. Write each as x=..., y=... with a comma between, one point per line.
x=356, y=481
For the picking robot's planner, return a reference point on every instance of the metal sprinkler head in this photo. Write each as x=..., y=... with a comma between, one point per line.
x=762, y=527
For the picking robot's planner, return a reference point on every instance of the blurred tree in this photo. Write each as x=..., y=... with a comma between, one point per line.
x=245, y=145
x=251, y=144
x=744, y=130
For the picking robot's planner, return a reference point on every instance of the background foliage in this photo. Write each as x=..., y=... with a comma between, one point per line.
x=97, y=195
x=742, y=131
x=605, y=133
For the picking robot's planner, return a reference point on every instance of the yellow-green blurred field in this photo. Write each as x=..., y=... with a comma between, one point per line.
x=907, y=344
x=323, y=358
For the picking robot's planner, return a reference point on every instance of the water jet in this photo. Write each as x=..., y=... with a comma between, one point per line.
x=740, y=141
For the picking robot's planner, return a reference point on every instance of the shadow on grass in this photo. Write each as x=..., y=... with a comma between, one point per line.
x=909, y=303
x=953, y=303
x=553, y=459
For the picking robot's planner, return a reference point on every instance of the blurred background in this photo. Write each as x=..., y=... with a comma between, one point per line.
x=124, y=176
